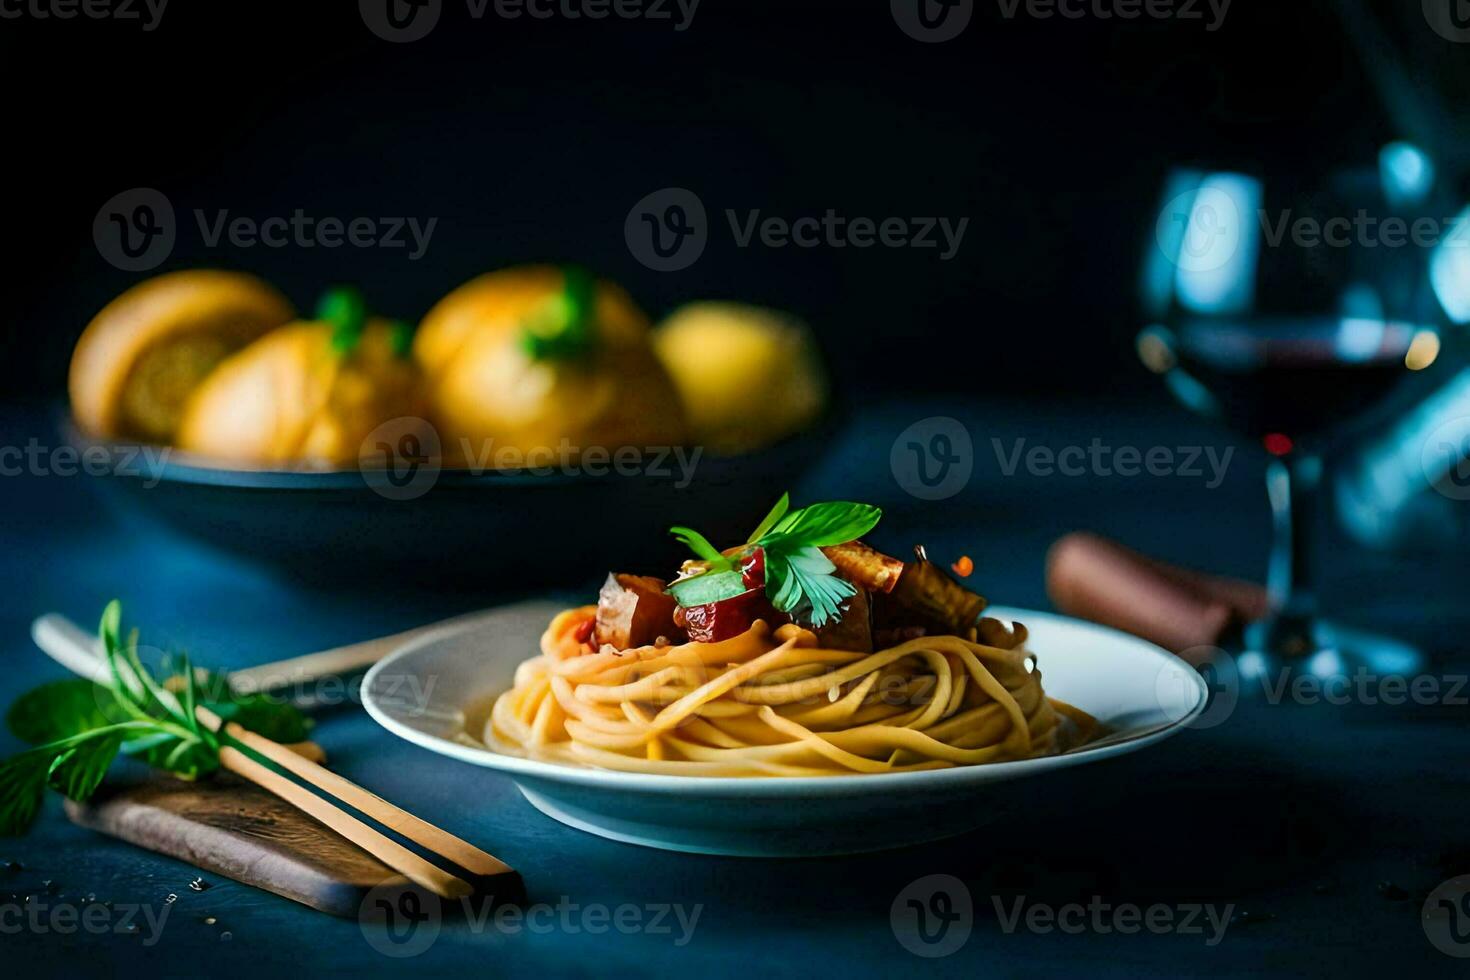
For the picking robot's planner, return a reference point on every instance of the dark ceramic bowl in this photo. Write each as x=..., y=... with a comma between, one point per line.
x=419, y=526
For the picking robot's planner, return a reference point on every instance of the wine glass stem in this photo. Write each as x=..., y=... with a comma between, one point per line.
x=1292, y=484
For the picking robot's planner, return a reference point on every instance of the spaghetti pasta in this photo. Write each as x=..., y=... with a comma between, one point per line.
x=771, y=702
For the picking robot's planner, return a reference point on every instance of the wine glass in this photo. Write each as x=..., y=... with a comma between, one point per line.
x=1293, y=310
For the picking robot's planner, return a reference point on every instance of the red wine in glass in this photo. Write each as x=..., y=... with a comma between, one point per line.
x=1293, y=344
x=1290, y=380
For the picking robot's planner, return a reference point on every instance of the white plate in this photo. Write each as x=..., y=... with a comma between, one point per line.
x=433, y=687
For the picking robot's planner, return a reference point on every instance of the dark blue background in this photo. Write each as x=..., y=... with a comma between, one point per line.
x=533, y=139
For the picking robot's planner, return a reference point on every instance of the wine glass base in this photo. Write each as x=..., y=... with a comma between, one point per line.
x=1325, y=650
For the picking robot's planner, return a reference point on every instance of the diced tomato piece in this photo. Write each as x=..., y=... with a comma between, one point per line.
x=753, y=569
x=715, y=621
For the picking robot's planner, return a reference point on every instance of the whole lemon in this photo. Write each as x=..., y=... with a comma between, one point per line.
x=748, y=376
x=143, y=355
x=538, y=358
x=297, y=396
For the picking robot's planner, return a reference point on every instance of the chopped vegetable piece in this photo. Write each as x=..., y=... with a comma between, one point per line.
x=927, y=597
x=802, y=581
x=753, y=568
x=721, y=620
x=865, y=566
x=707, y=587
x=633, y=611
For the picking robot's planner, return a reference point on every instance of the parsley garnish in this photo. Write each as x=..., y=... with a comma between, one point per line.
x=78, y=727
x=800, y=580
x=563, y=327
x=346, y=310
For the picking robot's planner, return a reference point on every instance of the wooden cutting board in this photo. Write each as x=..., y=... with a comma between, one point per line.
x=233, y=828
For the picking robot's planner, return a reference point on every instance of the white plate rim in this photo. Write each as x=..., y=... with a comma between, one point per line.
x=778, y=786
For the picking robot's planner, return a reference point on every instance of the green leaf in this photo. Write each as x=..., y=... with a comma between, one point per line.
x=777, y=512
x=110, y=629
x=700, y=545
x=162, y=698
x=22, y=785
x=400, y=338
x=564, y=326
x=129, y=690
x=346, y=310
x=802, y=585
x=61, y=709
x=187, y=758
x=822, y=525
x=708, y=587
x=264, y=715
x=77, y=771
x=82, y=726
x=191, y=687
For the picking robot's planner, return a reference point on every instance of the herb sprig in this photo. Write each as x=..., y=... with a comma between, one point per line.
x=79, y=727
x=800, y=580
x=563, y=327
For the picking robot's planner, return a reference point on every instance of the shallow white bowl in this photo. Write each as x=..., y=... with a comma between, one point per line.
x=436, y=690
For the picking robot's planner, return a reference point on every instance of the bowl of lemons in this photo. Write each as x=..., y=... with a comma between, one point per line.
x=531, y=412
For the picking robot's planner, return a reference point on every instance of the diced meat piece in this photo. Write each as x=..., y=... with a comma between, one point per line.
x=864, y=566
x=632, y=611
x=853, y=629
x=926, y=596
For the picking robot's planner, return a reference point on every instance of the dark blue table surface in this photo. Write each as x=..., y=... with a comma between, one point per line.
x=1291, y=816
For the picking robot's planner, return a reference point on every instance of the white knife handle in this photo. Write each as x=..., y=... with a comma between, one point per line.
x=71, y=646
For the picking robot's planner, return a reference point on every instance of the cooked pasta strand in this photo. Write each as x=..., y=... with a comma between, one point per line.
x=773, y=703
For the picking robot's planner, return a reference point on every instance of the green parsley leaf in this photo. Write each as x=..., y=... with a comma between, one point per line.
x=564, y=326
x=822, y=525
x=803, y=585
x=800, y=580
x=77, y=771
x=400, y=338
x=22, y=784
x=265, y=715
x=61, y=709
x=82, y=726
x=777, y=512
x=700, y=545
x=346, y=310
